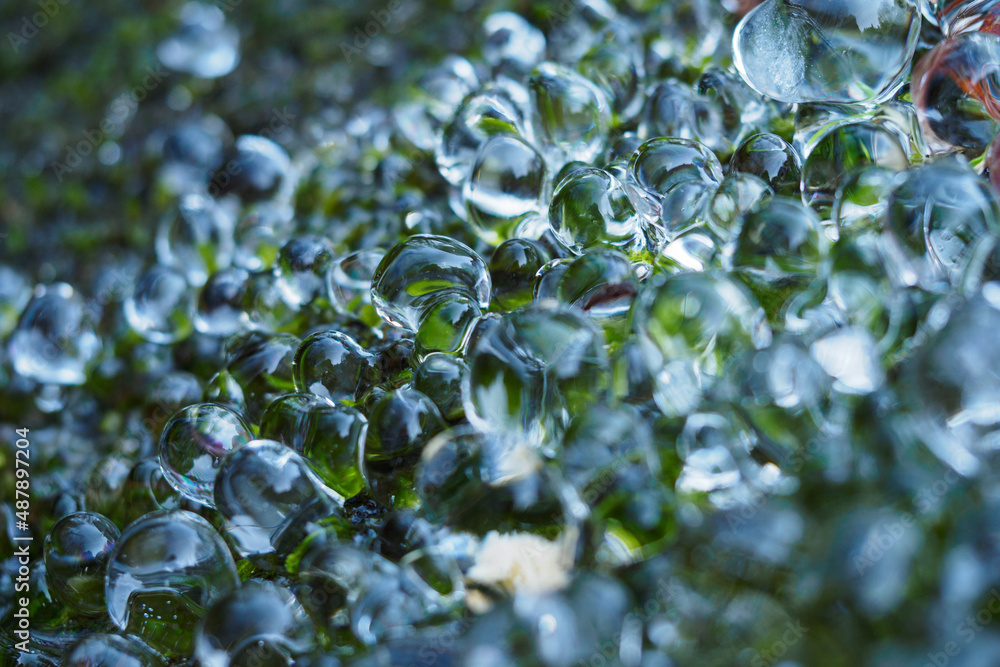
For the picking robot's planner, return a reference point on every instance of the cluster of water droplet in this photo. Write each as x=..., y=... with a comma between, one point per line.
x=628, y=344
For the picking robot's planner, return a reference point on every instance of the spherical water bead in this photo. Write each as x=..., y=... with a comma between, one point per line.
x=222, y=388
x=198, y=240
x=508, y=179
x=446, y=324
x=616, y=66
x=354, y=589
x=107, y=650
x=76, y=554
x=439, y=377
x=257, y=170
x=220, y=304
x=350, y=280
x=571, y=114
x=303, y=264
x=780, y=242
x=670, y=181
x=393, y=360
x=261, y=364
x=415, y=272
x=482, y=115
x=332, y=364
x=673, y=109
x=267, y=494
x=687, y=32
x=534, y=369
x=781, y=247
x=443, y=87
x=193, y=445
x=795, y=51
x=772, y=159
x=862, y=197
x=843, y=149
x=260, y=234
x=204, y=45
x=511, y=44
x=105, y=483
x=147, y=490
x=476, y=481
x=547, y=279
x=53, y=342
x=934, y=215
x=258, y=623
x=689, y=325
x=591, y=208
x=165, y=571
x=956, y=90
x=193, y=148
x=402, y=422
x=741, y=110
x=512, y=268
x=692, y=252
x=738, y=194
x=598, y=441
x=949, y=388
x=266, y=302
x=327, y=434
x=603, y=284
x=161, y=308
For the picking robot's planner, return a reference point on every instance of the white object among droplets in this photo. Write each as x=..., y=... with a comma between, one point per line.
x=521, y=563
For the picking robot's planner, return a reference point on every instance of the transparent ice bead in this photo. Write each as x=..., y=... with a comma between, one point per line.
x=414, y=273
x=934, y=216
x=603, y=284
x=266, y=493
x=507, y=184
x=402, y=422
x=258, y=169
x=220, y=303
x=481, y=115
x=332, y=364
x=76, y=555
x=511, y=44
x=591, y=208
x=250, y=624
x=165, y=571
x=439, y=377
x=674, y=109
x=161, y=307
x=571, y=114
x=198, y=240
x=350, y=279
x=193, y=444
x=53, y=342
x=512, y=269
x=843, y=149
x=689, y=325
x=772, y=159
x=446, y=324
x=204, y=45
x=328, y=435
x=816, y=51
x=536, y=368
x=670, y=181
x=955, y=88
x=303, y=263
